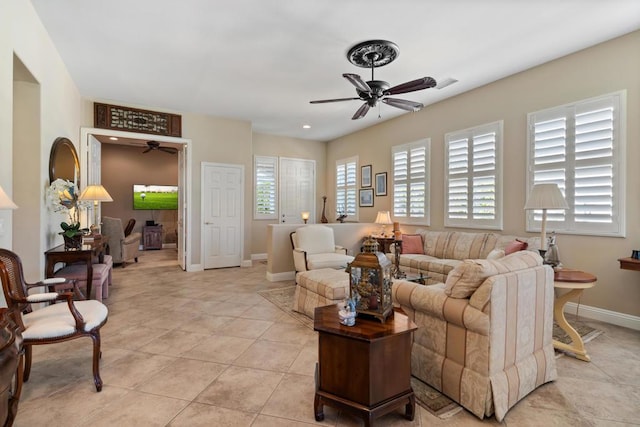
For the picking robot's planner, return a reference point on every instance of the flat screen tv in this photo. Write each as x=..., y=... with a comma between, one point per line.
x=155, y=197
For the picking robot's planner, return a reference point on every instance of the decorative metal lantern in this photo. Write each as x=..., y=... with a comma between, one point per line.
x=370, y=282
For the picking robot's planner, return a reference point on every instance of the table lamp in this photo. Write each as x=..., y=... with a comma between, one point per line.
x=95, y=193
x=5, y=201
x=545, y=196
x=384, y=219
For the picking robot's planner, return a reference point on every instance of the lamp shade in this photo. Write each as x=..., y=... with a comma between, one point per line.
x=5, y=201
x=96, y=193
x=546, y=196
x=383, y=218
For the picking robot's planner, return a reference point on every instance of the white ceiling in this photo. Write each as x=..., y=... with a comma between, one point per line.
x=264, y=60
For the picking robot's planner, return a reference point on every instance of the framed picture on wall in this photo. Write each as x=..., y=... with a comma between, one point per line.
x=381, y=184
x=365, y=176
x=366, y=197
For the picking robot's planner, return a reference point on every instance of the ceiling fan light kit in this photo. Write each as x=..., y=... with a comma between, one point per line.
x=373, y=54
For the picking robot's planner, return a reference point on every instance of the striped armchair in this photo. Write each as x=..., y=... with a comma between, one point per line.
x=485, y=337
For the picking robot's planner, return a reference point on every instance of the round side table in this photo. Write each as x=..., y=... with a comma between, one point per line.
x=575, y=281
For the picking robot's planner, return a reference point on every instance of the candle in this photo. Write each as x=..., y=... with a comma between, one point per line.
x=396, y=226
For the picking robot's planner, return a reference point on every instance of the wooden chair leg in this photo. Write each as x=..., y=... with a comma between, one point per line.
x=96, y=360
x=27, y=362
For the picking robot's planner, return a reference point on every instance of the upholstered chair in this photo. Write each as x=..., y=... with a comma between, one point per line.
x=314, y=247
x=122, y=248
x=54, y=323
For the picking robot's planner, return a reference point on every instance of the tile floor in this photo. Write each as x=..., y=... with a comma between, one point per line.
x=204, y=349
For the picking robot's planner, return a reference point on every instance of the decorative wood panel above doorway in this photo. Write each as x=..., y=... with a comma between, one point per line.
x=108, y=116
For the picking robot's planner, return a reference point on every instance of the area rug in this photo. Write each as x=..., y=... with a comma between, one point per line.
x=283, y=299
x=585, y=331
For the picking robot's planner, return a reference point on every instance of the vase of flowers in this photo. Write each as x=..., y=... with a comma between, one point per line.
x=63, y=198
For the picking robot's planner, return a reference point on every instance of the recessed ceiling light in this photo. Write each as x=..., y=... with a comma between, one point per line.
x=113, y=138
x=306, y=126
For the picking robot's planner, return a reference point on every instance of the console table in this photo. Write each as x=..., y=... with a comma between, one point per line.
x=575, y=281
x=88, y=250
x=629, y=264
x=364, y=369
x=152, y=237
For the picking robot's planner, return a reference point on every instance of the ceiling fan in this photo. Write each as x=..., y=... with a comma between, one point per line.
x=372, y=54
x=155, y=145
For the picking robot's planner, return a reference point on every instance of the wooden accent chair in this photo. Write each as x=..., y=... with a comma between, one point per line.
x=55, y=322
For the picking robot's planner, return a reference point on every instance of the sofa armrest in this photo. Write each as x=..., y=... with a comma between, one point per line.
x=132, y=238
x=340, y=250
x=300, y=259
x=431, y=300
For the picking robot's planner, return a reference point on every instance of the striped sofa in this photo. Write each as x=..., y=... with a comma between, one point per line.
x=443, y=250
x=484, y=337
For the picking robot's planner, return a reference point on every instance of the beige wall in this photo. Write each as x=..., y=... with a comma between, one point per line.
x=22, y=34
x=271, y=145
x=123, y=166
x=602, y=69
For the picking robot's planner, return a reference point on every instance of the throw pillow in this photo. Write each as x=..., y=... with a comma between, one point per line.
x=412, y=244
x=515, y=246
x=496, y=254
x=463, y=280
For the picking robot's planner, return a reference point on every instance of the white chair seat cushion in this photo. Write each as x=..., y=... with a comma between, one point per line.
x=327, y=260
x=56, y=320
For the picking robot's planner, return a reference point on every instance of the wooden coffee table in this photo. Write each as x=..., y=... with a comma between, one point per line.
x=365, y=369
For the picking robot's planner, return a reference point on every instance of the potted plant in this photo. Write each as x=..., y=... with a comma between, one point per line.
x=63, y=198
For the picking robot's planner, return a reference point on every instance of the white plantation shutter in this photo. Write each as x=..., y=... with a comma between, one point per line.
x=579, y=147
x=346, y=187
x=474, y=167
x=265, y=188
x=410, y=186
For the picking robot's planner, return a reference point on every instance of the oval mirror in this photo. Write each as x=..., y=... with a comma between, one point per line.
x=63, y=161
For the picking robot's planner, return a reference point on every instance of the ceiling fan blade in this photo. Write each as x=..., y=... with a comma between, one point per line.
x=355, y=80
x=322, y=101
x=362, y=111
x=413, y=85
x=147, y=150
x=403, y=104
x=169, y=150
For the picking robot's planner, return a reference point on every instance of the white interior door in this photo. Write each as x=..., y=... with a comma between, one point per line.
x=297, y=190
x=222, y=201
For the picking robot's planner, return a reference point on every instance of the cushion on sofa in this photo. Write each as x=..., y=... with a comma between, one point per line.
x=515, y=246
x=412, y=244
x=463, y=280
x=496, y=254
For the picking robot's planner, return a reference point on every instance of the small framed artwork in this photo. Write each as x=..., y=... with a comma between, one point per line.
x=381, y=184
x=366, y=197
x=365, y=176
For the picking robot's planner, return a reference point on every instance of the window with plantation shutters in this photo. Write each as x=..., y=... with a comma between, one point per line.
x=410, y=182
x=265, y=187
x=346, y=188
x=579, y=147
x=473, y=190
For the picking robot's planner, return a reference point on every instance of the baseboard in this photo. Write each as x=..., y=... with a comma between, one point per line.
x=246, y=263
x=608, y=316
x=258, y=257
x=280, y=277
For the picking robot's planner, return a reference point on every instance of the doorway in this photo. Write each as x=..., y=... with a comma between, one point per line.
x=92, y=140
